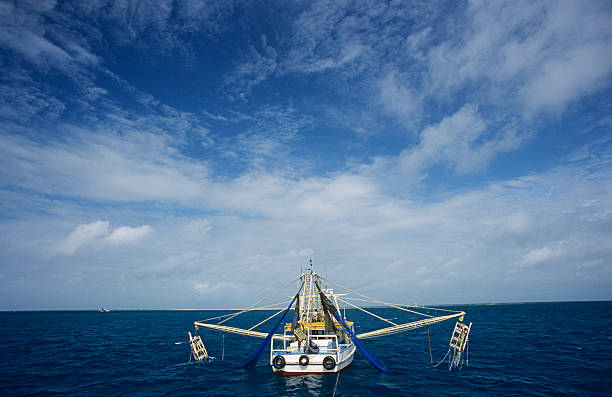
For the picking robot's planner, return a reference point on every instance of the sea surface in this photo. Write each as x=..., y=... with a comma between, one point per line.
x=515, y=349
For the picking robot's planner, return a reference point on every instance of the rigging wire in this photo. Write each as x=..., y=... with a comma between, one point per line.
x=257, y=303
x=441, y=361
x=336, y=386
x=190, y=355
x=429, y=343
x=437, y=308
x=400, y=304
x=270, y=306
x=408, y=326
x=365, y=311
x=272, y=316
x=376, y=300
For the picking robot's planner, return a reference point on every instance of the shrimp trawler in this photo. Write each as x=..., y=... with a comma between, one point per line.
x=320, y=339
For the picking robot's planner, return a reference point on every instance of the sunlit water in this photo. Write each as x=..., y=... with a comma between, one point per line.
x=526, y=349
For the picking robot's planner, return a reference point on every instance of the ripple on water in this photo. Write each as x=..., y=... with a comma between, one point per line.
x=526, y=349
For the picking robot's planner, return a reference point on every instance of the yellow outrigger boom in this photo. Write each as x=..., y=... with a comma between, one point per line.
x=320, y=339
x=408, y=326
x=239, y=331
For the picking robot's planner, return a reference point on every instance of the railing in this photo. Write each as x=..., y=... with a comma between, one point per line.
x=335, y=350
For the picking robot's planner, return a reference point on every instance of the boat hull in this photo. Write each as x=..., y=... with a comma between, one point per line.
x=315, y=363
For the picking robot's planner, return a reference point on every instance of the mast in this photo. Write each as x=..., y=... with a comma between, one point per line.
x=309, y=304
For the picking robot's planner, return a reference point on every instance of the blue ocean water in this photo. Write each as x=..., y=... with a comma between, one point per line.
x=515, y=349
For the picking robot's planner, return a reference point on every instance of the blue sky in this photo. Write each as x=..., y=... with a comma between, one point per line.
x=161, y=154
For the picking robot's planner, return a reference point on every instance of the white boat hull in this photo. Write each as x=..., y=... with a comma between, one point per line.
x=315, y=363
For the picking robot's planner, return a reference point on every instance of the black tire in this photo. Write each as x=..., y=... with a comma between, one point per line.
x=304, y=360
x=278, y=362
x=329, y=363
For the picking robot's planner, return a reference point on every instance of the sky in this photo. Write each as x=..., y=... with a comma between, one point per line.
x=195, y=154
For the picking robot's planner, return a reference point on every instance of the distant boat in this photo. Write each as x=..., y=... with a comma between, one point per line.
x=103, y=310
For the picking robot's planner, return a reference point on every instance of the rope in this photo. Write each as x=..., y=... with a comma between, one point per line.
x=452, y=361
x=441, y=361
x=270, y=306
x=429, y=342
x=437, y=308
x=337, y=377
x=364, y=310
x=272, y=316
x=408, y=326
x=400, y=304
x=258, y=302
x=376, y=300
x=268, y=338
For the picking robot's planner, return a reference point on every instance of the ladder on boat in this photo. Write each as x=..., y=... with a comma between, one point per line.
x=458, y=342
x=197, y=347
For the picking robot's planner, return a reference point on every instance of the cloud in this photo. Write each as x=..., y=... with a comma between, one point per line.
x=344, y=107
x=459, y=141
x=401, y=100
x=550, y=53
x=102, y=167
x=157, y=27
x=26, y=33
x=128, y=235
x=27, y=103
x=540, y=255
x=255, y=69
x=491, y=239
x=268, y=141
x=196, y=229
x=581, y=71
x=98, y=233
x=83, y=235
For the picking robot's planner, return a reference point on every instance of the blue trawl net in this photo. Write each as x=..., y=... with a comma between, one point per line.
x=258, y=352
x=312, y=347
x=330, y=308
x=359, y=345
x=296, y=314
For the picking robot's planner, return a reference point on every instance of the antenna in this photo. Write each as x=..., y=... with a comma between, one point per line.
x=326, y=286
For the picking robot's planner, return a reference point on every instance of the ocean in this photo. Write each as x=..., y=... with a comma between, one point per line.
x=515, y=349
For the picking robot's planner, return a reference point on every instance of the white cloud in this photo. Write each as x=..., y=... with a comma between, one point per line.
x=97, y=233
x=300, y=254
x=400, y=100
x=540, y=255
x=128, y=235
x=132, y=167
x=204, y=224
x=25, y=33
x=83, y=235
x=519, y=222
x=459, y=141
x=551, y=53
x=207, y=289
x=493, y=240
x=197, y=229
x=268, y=143
x=255, y=69
x=579, y=72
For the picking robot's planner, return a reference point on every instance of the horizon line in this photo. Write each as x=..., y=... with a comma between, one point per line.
x=270, y=309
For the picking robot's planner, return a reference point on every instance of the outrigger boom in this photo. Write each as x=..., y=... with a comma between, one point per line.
x=319, y=339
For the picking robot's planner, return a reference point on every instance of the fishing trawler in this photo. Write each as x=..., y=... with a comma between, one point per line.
x=314, y=342
x=319, y=339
